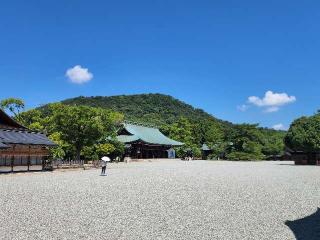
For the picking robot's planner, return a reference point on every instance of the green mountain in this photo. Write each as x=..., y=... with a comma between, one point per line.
x=157, y=109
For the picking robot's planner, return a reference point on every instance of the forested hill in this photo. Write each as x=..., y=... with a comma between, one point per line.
x=157, y=109
x=184, y=123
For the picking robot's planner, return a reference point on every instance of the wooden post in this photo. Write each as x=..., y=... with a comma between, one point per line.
x=29, y=159
x=43, y=160
x=2, y=159
x=12, y=157
x=12, y=162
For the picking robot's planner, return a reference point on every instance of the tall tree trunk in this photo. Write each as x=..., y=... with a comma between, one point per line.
x=78, y=152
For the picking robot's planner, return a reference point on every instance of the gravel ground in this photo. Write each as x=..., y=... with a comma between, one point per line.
x=167, y=199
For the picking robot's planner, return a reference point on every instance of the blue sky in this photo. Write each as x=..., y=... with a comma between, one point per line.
x=211, y=54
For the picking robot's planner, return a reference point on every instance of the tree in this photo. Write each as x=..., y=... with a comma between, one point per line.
x=105, y=149
x=111, y=148
x=245, y=143
x=304, y=134
x=47, y=121
x=13, y=105
x=97, y=151
x=82, y=126
x=209, y=132
x=182, y=131
x=119, y=148
x=34, y=120
x=58, y=152
x=273, y=142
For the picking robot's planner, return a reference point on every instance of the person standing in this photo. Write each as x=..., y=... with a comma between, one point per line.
x=104, y=164
x=103, y=167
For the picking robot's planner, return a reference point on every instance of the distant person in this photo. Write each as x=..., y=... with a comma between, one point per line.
x=103, y=167
x=189, y=155
x=104, y=161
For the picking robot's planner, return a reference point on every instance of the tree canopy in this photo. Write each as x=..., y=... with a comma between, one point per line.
x=304, y=134
x=77, y=129
x=245, y=143
x=13, y=105
x=83, y=126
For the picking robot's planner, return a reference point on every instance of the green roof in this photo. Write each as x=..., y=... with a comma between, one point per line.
x=127, y=138
x=146, y=134
x=205, y=147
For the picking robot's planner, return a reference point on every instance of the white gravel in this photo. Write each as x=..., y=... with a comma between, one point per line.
x=168, y=199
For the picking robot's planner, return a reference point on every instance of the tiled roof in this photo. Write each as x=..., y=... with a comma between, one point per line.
x=10, y=136
x=147, y=135
x=3, y=145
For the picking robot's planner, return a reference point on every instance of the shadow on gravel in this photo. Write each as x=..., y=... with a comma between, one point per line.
x=307, y=228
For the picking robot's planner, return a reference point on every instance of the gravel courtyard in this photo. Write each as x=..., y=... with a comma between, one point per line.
x=168, y=199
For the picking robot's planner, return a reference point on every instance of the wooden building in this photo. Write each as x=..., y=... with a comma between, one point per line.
x=303, y=158
x=145, y=142
x=20, y=148
x=205, y=151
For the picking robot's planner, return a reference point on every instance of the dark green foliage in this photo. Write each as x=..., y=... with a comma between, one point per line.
x=273, y=143
x=182, y=131
x=245, y=143
x=304, y=134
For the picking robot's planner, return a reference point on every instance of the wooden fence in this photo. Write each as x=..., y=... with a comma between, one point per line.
x=69, y=163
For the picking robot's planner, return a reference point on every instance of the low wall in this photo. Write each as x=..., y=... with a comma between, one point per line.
x=7, y=169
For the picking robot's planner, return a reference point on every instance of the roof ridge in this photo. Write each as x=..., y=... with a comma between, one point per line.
x=21, y=130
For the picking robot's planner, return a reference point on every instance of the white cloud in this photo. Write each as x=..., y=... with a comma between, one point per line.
x=278, y=126
x=243, y=107
x=272, y=101
x=79, y=75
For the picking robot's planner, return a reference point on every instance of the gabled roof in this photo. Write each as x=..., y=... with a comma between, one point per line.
x=11, y=132
x=12, y=136
x=146, y=134
x=8, y=122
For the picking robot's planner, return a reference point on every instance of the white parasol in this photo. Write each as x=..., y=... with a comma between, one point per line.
x=106, y=159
